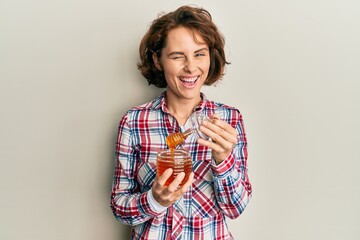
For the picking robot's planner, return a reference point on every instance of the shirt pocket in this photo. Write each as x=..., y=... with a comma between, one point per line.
x=146, y=175
x=203, y=201
x=146, y=167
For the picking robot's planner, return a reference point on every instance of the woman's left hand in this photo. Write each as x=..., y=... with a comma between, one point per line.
x=223, y=138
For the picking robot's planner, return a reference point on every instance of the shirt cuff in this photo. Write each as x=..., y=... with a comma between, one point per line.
x=224, y=168
x=154, y=205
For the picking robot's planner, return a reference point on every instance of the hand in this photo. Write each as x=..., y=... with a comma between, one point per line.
x=223, y=138
x=166, y=196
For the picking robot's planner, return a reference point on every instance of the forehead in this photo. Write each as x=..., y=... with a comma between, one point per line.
x=184, y=38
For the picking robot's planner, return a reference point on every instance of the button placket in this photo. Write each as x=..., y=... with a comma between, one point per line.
x=177, y=224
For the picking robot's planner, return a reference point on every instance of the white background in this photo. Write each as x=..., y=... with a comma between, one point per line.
x=68, y=73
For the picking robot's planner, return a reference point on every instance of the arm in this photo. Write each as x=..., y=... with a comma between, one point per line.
x=128, y=204
x=232, y=186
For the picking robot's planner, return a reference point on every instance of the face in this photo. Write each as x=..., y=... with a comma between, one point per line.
x=185, y=61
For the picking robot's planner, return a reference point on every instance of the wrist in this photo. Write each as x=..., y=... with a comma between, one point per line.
x=157, y=207
x=219, y=158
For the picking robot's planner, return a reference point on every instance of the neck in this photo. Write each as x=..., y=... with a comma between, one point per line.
x=181, y=108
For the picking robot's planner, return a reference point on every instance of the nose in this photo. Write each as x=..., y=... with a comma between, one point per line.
x=190, y=65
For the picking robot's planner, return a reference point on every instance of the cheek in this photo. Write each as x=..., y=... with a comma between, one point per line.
x=205, y=65
x=171, y=69
x=205, y=68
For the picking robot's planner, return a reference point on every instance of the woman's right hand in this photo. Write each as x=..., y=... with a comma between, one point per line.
x=167, y=195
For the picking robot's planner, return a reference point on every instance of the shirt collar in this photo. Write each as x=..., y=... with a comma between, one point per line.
x=198, y=108
x=202, y=104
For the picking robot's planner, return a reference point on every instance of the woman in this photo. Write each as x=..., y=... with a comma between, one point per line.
x=182, y=51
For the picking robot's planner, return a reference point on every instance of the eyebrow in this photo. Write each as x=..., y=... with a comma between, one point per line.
x=182, y=53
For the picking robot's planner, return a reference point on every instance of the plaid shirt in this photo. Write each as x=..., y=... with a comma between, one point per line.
x=217, y=190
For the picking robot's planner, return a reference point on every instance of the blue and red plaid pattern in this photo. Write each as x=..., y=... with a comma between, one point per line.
x=218, y=191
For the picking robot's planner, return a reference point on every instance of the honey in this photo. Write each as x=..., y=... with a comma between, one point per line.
x=177, y=138
x=177, y=159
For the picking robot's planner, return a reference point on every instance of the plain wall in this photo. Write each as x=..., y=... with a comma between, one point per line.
x=68, y=73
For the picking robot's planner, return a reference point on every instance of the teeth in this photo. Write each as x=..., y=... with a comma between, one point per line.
x=192, y=79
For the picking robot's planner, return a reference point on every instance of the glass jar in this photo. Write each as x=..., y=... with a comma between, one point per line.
x=196, y=120
x=177, y=159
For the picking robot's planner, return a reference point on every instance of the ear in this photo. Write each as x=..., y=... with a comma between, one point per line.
x=156, y=62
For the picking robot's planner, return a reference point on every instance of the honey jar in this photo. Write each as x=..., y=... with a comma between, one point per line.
x=177, y=159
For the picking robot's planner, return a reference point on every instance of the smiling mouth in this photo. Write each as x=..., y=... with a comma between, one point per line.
x=189, y=81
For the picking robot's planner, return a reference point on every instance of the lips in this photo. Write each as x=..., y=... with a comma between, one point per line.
x=189, y=81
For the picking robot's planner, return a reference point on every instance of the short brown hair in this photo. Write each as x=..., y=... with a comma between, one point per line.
x=194, y=18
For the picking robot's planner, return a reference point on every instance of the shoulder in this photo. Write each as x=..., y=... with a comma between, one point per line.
x=144, y=110
x=227, y=113
x=219, y=107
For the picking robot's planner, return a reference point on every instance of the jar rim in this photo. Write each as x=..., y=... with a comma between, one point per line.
x=178, y=153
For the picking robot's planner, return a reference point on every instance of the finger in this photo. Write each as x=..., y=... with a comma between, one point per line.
x=224, y=125
x=215, y=116
x=164, y=177
x=183, y=189
x=215, y=119
x=215, y=146
x=219, y=130
x=219, y=136
x=173, y=186
x=187, y=184
x=224, y=138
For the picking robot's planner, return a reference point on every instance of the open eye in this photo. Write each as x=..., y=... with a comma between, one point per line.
x=201, y=54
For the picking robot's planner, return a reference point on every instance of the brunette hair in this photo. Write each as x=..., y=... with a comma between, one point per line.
x=194, y=18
